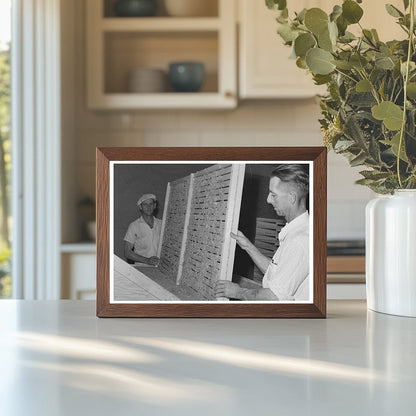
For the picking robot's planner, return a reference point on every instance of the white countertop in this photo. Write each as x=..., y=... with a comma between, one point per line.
x=57, y=358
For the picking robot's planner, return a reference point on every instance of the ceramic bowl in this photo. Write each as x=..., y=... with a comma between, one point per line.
x=135, y=8
x=186, y=76
x=147, y=80
x=191, y=8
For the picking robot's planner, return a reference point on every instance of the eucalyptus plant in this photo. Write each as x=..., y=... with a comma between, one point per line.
x=369, y=112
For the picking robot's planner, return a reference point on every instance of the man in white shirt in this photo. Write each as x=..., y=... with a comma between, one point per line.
x=142, y=238
x=287, y=274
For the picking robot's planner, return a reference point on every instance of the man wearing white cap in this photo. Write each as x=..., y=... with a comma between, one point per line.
x=142, y=238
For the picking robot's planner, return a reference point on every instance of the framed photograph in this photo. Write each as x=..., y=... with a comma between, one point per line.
x=211, y=232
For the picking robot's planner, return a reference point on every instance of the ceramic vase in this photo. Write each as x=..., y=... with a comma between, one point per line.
x=391, y=253
x=135, y=8
x=186, y=76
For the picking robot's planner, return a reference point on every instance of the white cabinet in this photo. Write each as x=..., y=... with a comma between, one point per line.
x=78, y=263
x=118, y=45
x=265, y=69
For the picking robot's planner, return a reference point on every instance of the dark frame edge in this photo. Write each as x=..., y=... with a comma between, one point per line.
x=103, y=238
x=320, y=230
x=318, y=155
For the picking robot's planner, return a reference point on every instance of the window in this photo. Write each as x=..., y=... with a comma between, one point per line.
x=5, y=159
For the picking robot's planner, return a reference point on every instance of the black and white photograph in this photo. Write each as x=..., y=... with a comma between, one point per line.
x=194, y=232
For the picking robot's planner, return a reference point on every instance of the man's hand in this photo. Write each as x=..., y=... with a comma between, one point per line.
x=226, y=289
x=153, y=261
x=242, y=240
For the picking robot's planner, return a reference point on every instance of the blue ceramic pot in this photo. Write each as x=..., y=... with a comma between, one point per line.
x=135, y=8
x=186, y=76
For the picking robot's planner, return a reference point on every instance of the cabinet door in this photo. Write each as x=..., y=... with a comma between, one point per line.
x=266, y=71
x=78, y=276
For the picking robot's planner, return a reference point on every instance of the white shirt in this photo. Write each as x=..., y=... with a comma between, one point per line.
x=288, y=273
x=145, y=240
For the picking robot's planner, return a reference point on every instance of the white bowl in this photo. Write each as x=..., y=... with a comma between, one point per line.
x=147, y=80
x=191, y=8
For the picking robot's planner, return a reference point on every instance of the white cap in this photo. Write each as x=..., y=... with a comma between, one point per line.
x=145, y=197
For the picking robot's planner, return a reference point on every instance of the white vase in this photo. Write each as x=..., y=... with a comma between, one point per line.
x=391, y=253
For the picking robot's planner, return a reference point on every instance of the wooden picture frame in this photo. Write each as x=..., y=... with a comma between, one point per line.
x=231, y=175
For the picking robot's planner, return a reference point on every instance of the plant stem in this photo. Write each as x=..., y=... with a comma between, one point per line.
x=346, y=75
x=373, y=88
x=406, y=80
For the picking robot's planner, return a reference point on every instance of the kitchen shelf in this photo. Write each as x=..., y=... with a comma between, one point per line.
x=116, y=46
x=80, y=247
x=346, y=269
x=165, y=100
x=160, y=24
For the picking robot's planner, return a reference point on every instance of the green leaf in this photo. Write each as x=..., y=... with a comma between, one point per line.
x=412, y=67
x=353, y=130
x=336, y=12
x=276, y=4
x=301, y=15
x=316, y=20
x=368, y=36
x=325, y=42
x=303, y=43
x=343, y=145
x=359, y=160
x=405, y=21
x=406, y=4
x=393, y=11
x=281, y=19
x=319, y=61
x=334, y=92
x=285, y=13
x=347, y=37
x=344, y=65
x=375, y=35
x=321, y=79
x=333, y=32
x=394, y=143
x=374, y=150
x=358, y=61
x=363, y=86
x=362, y=99
x=342, y=25
x=287, y=33
x=301, y=63
x=391, y=114
x=396, y=70
x=351, y=11
x=384, y=62
x=365, y=182
x=411, y=90
x=381, y=89
x=374, y=174
x=411, y=123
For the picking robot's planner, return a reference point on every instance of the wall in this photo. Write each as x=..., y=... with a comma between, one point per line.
x=253, y=123
x=133, y=180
